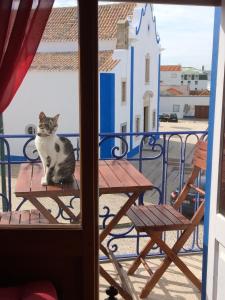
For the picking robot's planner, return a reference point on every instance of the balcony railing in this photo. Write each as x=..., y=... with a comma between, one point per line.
x=164, y=157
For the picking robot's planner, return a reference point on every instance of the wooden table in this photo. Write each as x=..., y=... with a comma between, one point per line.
x=115, y=176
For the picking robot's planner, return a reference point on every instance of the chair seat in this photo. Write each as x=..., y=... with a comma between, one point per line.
x=22, y=217
x=157, y=218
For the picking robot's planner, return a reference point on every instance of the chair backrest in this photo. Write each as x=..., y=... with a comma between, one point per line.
x=200, y=155
x=199, y=163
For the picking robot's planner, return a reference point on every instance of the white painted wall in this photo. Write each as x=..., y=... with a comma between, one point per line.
x=46, y=47
x=170, y=77
x=167, y=102
x=201, y=84
x=51, y=92
x=145, y=44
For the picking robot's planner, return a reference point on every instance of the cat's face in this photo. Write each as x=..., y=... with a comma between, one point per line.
x=47, y=125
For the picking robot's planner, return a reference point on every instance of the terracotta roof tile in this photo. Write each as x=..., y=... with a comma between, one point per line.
x=63, y=22
x=70, y=61
x=171, y=68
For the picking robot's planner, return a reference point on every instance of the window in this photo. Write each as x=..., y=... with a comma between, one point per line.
x=137, y=124
x=30, y=129
x=192, y=77
x=124, y=91
x=185, y=77
x=176, y=108
x=181, y=82
x=189, y=82
x=154, y=119
x=147, y=69
x=182, y=76
x=196, y=82
x=196, y=77
x=203, y=77
x=122, y=143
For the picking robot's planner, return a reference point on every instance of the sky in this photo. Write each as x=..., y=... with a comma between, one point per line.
x=186, y=33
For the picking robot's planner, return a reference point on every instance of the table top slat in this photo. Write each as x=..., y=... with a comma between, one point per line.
x=23, y=182
x=37, y=174
x=122, y=174
x=138, y=177
x=109, y=176
x=116, y=176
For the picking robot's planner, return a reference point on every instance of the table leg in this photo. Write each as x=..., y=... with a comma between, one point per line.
x=43, y=210
x=119, y=215
x=123, y=292
x=66, y=209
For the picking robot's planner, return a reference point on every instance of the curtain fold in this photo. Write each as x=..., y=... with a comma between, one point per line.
x=21, y=30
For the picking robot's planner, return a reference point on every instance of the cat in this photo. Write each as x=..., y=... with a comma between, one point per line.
x=56, y=153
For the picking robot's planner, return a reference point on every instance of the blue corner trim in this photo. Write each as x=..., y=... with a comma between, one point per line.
x=158, y=103
x=133, y=152
x=143, y=12
x=131, y=94
x=107, y=111
x=217, y=17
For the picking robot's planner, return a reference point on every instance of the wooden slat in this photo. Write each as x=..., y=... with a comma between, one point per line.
x=24, y=179
x=37, y=175
x=122, y=174
x=138, y=177
x=154, y=218
x=15, y=217
x=157, y=212
x=199, y=190
x=164, y=209
x=5, y=219
x=178, y=215
x=34, y=216
x=141, y=214
x=25, y=217
x=102, y=182
x=132, y=215
x=109, y=176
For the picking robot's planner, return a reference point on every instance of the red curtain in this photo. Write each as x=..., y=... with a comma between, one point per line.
x=22, y=23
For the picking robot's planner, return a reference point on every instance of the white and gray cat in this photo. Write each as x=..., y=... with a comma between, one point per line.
x=56, y=153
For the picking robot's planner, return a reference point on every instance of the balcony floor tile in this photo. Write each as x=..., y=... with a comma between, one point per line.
x=173, y=284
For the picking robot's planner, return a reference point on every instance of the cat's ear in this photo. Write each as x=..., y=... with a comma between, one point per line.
x=56, y=118
x=42, y=116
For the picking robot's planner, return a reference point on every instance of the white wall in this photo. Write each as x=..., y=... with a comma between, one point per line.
x=201, y=85
x=167, y=102
x=145, y=44
x=46, y=47
x=51, y=92
x=170, y=77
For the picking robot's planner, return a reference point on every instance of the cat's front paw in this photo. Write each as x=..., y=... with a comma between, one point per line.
x=44, y=181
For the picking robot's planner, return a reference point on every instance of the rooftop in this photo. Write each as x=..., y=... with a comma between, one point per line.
x=63, y=22
x=69, y=61
x=176, y=68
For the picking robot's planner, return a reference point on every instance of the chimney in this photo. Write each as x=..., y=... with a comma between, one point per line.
x=122, y=34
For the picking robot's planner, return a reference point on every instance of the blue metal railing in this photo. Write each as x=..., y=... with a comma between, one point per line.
x=163, y=157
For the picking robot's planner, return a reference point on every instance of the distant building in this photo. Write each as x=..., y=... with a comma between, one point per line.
x=194, y=79
x=129, y=53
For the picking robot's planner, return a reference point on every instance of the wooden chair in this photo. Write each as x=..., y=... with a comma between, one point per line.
x=155, y=219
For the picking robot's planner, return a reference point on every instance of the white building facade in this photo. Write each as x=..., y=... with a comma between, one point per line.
x=129, y=64
x=176, y=75
x=185, y=106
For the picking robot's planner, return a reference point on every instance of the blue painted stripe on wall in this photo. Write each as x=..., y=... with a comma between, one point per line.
x=217, y=17
x=158, y=92
x=107, y=111
x=131, y=94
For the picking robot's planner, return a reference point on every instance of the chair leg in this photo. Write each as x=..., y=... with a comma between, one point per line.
x=143, y=253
